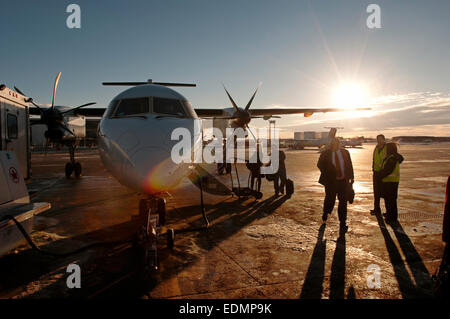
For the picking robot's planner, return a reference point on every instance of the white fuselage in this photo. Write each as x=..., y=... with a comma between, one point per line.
x=134, y=137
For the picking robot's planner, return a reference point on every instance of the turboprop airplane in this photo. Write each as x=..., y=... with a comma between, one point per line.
x=135, y=142
x=65, y=126
x=134, y=134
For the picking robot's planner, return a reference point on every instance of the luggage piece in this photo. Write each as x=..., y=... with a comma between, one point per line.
x=350, y=193
x=289, y=187
x=247, y=192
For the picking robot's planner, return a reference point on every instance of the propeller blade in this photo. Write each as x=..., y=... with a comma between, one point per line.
x=231, y=99
x=67, y=129
x=220, y=117
x=148, y=82
x=18, y=91
x=54, y=89
x=254, y=137
x=37, y=106
x=251, y=100
x=78, y=107
x=30, y=99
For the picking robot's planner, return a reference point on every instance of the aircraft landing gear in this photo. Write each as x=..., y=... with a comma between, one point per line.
x=152, y=216
x=72, y=166
x=154, y=209
x=69, y=170
x=77, y=169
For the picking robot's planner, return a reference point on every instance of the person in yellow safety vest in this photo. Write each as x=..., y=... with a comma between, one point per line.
x=390, y=179
x=379, y=154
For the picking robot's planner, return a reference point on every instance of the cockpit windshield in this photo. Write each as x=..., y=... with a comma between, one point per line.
x=154, y=105
x=190, y=109
x=130, y=107
x=168, y=106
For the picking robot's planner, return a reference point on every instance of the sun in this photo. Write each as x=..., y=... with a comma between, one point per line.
x=350, y=95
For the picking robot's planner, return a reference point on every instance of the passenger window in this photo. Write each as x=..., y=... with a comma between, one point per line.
x=168, y=106
x=130, y=107
x=12, y=126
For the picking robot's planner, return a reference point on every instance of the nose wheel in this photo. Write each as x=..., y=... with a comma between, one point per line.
x=76, y=169
x=69, y=170
x=156, y=207
x=152, y=215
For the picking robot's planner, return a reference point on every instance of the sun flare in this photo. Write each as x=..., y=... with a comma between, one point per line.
x=350, y=95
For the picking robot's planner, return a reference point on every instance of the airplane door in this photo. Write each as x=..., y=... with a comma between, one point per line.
x=15, y=134
x=2, y=133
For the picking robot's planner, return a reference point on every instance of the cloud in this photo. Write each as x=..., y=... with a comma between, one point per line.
x=416, y=113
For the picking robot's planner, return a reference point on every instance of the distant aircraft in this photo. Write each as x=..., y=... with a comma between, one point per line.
x=321, y=142
x=59, y=129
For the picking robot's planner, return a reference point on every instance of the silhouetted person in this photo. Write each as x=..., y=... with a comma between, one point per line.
x=379, y=154
x=390, y=179
x=224, y=167
x=336, y=174
x=441, y=278
x=446, y=226
x=255, y=171
x=279, y=180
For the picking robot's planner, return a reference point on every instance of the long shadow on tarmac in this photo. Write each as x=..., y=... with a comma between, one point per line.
x=337, y=279
x=406, y=284
x=30, y=266
x=117, y=263
x=239, y=216
x=313, y=284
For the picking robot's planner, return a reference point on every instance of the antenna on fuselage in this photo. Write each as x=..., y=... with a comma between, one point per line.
x=149, y=81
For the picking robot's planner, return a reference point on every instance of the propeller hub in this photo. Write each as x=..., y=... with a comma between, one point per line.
x=54, y=135
x=242, y=118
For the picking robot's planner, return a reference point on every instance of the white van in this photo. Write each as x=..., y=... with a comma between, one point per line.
x=14, y=127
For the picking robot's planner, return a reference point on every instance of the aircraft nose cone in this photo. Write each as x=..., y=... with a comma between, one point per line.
x=156, y=168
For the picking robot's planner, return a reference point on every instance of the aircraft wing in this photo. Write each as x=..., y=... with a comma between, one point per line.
x=91, y=112
x=276, y=111
x=209, y=112
x=34, y=111
x=306, y=112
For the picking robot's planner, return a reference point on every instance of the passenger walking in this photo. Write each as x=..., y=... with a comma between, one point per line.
x=224, y=167
x=441, y=278
x=337, y=176
x=279, y=181
x=254, y=166
x=389, y=176
x=379, y=154
x=446, y=224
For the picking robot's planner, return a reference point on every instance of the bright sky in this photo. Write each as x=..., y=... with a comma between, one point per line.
x=306, y=54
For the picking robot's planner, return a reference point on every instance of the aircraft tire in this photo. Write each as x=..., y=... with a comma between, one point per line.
x=69, y=170
x=77, y=169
